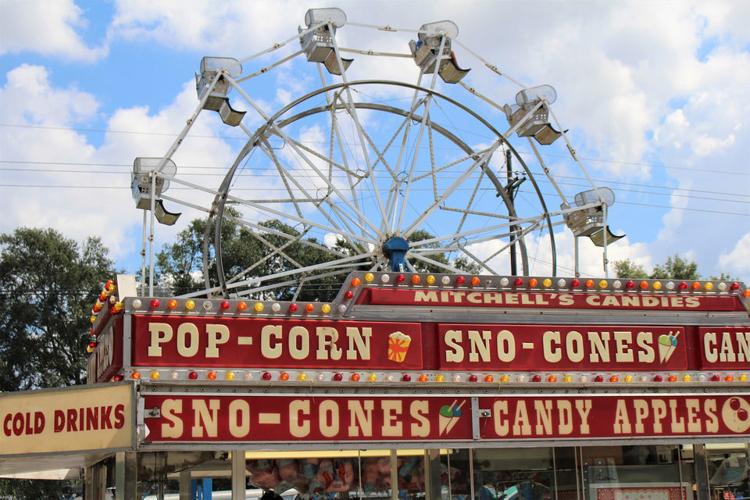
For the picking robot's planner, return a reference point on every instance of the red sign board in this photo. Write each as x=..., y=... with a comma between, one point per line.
x=106, y=359
x=724, y=347
x=200, y=341
x=548, y=347
x=614, y=416
x=267, y=419
x=320, y=418
x=550, y=300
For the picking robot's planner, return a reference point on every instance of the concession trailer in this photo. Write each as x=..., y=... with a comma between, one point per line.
x=405, y=386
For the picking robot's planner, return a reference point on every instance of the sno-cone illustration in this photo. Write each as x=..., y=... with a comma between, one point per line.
x=667, y=345
x=449, y=415
x=398, y=346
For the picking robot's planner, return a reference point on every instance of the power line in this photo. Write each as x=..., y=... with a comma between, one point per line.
x=243, y=138
x=540, y=175
x=650, y=205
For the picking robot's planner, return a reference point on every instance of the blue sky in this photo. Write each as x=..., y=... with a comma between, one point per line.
x=654, y=95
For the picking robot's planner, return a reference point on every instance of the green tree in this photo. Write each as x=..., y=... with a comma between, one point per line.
x=180, y=265
x=675, y=267
x=629, y=269
x=48, y=285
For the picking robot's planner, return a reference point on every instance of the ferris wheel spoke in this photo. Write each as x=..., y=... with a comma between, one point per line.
x=515, y=238
x=333, y=188
x=319, y=202
x=471, y=156
x=302, y=220
x=328, y=159
x=266, y=147
x=418, y=142
x=471, y=201
x=393, y=192
x=287, y=140
x=295, y=283
x=436, y=263
x=337, y=137
x=450, y=189
x=477, y=260
x=293, y=238
x=337, y=264
x=473, y=232
x=267, y=257
x=352, y=112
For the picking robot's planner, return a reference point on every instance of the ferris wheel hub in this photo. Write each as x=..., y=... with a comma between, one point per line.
x=395, y=249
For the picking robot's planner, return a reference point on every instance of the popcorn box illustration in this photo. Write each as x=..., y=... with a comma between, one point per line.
x=398, y=346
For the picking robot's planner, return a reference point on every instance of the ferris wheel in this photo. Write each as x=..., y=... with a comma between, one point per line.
x=357, y=172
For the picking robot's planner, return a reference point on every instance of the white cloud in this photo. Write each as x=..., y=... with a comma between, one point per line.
x=737, y=260
x=47, y=28
x=235, y=29
x=77, y=210
x=668, y=87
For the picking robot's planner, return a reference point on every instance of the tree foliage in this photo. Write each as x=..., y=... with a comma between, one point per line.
x=180, y=265
x=48, y=285
x=675, y=267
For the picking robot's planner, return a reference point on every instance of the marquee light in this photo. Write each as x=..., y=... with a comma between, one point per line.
x=522, y=378
x=189, y=305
